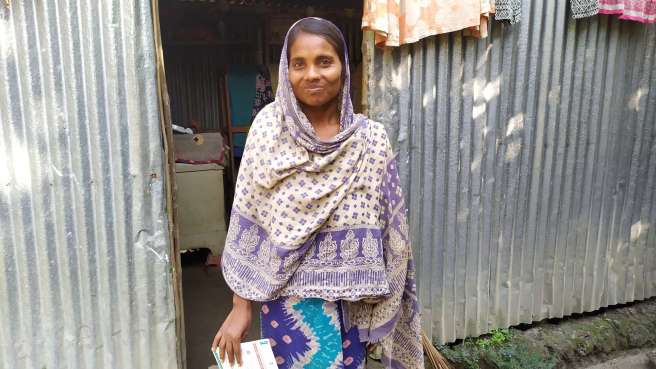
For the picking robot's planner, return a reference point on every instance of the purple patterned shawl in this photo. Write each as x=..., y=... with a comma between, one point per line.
x=326, y=220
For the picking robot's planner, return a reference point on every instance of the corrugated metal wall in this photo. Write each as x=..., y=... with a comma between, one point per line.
x=529, y=165
x=84, y=250
x=193, y=84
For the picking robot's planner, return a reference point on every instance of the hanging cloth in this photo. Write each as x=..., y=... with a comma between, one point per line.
x=584, y=8
x=643, y=11
x=511, y=10
x=508, y=10
x=263, y=90
x=398, y=22
x=480, y=31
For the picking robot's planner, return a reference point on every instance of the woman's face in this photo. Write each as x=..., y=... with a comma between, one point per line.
x=315, y=70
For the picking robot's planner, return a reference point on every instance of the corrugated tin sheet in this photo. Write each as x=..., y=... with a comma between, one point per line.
x=193, y=84
x=84, y=252
x=529, y=165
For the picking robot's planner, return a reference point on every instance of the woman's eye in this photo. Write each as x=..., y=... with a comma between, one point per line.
x=325, y=62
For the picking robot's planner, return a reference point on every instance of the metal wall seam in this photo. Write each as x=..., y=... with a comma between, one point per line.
x=528, y=164
x=85, y=252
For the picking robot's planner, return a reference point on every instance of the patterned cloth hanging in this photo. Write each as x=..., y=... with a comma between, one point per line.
x=509, y=10
x=263, y=90
x=584, y=8
x=398, y=22
x=643, y=11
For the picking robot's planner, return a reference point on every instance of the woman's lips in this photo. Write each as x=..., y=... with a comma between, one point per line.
x=314, y=89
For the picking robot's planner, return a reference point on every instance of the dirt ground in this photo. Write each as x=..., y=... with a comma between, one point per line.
x=616, y=337
x=640, y=359
x=207, y=301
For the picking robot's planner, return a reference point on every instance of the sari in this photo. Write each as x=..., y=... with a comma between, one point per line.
x=324, y=220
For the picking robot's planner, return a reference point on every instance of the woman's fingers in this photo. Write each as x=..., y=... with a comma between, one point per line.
x=222, y=348
x=215, y=342
x=230, y=352
x=238, y=353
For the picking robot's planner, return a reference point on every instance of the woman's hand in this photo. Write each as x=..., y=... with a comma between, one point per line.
x=234, y=330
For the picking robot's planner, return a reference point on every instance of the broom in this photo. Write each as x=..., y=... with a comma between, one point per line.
x=436, y=359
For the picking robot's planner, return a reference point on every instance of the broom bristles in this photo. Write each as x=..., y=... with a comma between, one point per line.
x=436, y=359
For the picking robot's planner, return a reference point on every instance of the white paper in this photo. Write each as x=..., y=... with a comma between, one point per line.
x=255, y=355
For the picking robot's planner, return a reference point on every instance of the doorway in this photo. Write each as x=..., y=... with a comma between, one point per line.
x=221, y=59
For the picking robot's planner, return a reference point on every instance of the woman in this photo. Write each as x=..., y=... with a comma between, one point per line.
x=318, y=230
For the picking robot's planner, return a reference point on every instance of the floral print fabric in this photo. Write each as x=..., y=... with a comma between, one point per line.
x=398, y=22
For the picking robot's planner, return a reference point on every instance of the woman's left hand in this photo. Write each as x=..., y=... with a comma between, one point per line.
x=233, y=331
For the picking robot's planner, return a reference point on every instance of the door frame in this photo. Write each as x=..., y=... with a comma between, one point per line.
x=167, y=143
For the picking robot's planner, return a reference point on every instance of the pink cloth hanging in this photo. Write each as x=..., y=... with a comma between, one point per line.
x=636, y=10
x=398, y=22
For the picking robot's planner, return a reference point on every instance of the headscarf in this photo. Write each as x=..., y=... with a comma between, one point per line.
x=318, y=219
x=299, y=126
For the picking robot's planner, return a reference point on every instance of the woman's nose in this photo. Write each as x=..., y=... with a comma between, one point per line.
x=312, y=72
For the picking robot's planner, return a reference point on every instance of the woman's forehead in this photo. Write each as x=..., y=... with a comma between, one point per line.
x=310, y=45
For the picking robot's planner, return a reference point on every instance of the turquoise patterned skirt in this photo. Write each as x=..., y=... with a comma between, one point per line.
x=309, y=333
